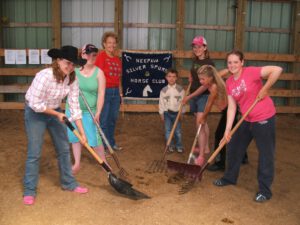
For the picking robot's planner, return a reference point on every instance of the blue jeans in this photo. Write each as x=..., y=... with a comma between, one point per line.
x=110, y=113
x=264, y=134
x=169, y=119
x=36, y=124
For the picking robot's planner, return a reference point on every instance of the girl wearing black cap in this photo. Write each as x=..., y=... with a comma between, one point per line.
x=42, y=111
x=91, y=81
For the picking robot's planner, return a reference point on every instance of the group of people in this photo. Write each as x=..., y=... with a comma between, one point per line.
x=98, y=79
x=243, y=87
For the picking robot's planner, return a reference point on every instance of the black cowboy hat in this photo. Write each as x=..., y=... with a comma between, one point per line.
x=67, y=52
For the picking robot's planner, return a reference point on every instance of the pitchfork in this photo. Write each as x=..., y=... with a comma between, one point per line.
x=122, y=171
x=160, y=165
x=196, y=171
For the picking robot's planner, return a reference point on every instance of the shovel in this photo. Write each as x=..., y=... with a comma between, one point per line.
x=160, y=165
x=121, y=186
x=122, y=172
x=195, y=172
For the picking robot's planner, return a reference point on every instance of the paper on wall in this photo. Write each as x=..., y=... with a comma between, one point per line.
x=21, y=56
x=33, y=56
x=10, y=56
x=45, y=59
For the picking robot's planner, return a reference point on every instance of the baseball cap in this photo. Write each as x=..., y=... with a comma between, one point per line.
x=89, y=48
x=199, y=40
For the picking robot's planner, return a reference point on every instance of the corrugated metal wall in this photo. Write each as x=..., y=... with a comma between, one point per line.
x=276, y=15
x=33, y=11
x=86, y=11
x=135, y=11
x=209, y=13
x=30, y=12
x=162, y=11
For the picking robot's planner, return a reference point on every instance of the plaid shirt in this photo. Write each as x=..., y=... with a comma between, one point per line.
x=44, y=92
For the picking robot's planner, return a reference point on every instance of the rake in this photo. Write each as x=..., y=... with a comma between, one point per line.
x=160, y=165
x=122, y=171
x=195, y=172
x=180, y=168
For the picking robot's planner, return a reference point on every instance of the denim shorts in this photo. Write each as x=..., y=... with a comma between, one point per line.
x=90, y=130
x=198, y=103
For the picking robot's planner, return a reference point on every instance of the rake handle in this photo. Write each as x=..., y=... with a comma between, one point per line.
x=86, y=145
x=223, y=143
x=175, y=123
x=100, y=130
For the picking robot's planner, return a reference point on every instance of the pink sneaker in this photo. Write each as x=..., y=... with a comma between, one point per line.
x=80, y=190
x=28, y=200
x=200, y=161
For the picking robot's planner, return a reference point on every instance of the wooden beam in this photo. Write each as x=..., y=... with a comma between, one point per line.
x=220, y=55
x=184, y=73
x=1, y=46
x=19, y=71
x=87, y=24
x=146, y=108
x=26, y=25
x=240, y=24
x=16, y=88
x=180, y=30
x=118, y=22
x=56, y=23
x=295, y=45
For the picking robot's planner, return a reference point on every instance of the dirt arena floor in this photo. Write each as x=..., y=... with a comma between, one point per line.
x=141, y=136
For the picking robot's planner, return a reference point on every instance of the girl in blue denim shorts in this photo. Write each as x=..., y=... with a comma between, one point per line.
x=199, y=94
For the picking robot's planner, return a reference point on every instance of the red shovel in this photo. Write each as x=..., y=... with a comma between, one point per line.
x=194, y=171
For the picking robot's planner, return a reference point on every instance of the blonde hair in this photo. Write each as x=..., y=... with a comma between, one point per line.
x=211, y=72
x=107, y=35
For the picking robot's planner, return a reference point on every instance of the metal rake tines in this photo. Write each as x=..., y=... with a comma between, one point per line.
x=157, y=166
x=123, y=172
x=186, y=186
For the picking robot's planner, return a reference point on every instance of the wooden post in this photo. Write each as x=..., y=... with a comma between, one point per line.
x=118, y=22
x=240, y=24
x=56, y=23
x=180, y=31
x=1, y=46
x=295, y=46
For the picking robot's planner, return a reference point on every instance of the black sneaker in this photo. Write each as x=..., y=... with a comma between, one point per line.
x=221, y=182
x=215, y=167
x=260, y=198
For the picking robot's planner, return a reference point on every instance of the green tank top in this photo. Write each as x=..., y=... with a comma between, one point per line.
x=89, y=88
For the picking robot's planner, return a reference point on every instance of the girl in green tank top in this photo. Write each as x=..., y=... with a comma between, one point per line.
x=91, y=81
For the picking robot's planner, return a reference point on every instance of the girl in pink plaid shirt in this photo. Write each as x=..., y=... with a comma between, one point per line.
x=42, y=111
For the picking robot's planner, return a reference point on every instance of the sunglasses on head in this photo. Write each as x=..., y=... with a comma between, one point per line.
x=90, y=49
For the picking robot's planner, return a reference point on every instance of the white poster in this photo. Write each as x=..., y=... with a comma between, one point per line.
x=33, y=56
x=45, y=59
x=10, y=56
x=21, y=56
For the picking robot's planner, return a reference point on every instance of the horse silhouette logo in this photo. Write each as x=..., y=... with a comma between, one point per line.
x=146, y=90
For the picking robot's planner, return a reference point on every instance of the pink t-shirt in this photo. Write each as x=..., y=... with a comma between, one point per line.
x=245, y=89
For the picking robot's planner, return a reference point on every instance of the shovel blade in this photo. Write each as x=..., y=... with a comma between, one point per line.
x=188, y=170
x=125, y=188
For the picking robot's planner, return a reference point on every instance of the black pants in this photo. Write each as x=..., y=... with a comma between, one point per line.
x=263, y=133
x=221, y=159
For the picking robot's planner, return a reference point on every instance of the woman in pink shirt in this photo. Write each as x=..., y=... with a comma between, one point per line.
x=244, y=86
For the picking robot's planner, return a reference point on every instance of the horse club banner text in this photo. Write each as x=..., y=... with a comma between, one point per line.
x=144, y=73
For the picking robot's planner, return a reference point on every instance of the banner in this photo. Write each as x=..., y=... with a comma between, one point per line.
x=143, y=74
